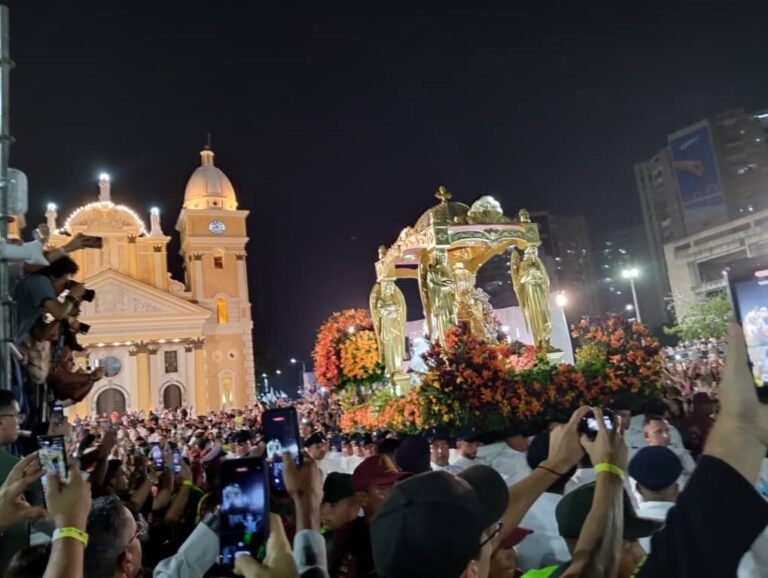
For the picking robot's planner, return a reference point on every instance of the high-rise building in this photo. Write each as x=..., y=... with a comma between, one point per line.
x=710, y=173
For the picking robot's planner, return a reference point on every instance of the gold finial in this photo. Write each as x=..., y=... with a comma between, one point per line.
x=443, y=194
x=524, y=216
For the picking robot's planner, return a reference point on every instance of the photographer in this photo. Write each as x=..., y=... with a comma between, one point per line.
x=44, y=317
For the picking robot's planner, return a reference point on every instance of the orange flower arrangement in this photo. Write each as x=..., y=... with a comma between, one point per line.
x=360, y=356
x=494, y=386
x=346, y=351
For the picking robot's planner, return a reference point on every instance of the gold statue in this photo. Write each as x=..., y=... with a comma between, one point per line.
x=531, y=284
x=424, y=293
x=470, y=308
x=388, y=312
x=441, y=288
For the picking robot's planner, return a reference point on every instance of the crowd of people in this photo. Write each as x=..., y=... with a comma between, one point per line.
x=678, y=489
x=629, y=501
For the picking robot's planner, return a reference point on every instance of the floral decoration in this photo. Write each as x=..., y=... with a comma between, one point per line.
x=497, y=386
x=346, y=351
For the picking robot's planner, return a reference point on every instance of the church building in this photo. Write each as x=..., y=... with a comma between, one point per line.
x=165, y=343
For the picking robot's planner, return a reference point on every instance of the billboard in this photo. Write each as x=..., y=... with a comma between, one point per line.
x=698, y=180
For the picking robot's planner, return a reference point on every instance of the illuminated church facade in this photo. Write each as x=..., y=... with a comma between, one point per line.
x=165, y=343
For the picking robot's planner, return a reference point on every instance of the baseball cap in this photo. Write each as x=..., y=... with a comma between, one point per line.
x=655, y=467
x=467, y=435
x=413, y=455
x=575, y=506
x=378, y=470
x=336, y=487
x=432, y=524
x=317, y=437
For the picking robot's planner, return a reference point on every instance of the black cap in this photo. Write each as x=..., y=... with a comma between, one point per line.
x=575, y=506
x=337, y=486
x=469, y=434
x=367, y=440
x=432, y=524
x=438, y=434
x=317, y=437
x=413, y=455
x=655, y=467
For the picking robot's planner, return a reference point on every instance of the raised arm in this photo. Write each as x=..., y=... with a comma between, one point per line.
x=598, y=549
x=565, y=451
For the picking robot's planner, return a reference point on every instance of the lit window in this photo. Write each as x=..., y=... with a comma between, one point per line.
x=222, y=312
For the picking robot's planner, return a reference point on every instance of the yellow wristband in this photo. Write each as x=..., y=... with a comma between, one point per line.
x=73, y=533
x=610, y=468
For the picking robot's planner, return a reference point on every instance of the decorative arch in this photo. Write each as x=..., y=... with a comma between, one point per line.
x=222, y=308
x=96, y=392
x=173, y=395
x=226, y=382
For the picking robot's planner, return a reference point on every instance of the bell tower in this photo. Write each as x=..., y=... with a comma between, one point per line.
x=213, y=240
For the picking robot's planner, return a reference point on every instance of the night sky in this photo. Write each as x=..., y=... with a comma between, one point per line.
x=336, y=126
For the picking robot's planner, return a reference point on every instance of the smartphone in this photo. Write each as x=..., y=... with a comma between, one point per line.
x=176, y=455
x=57, y=415
x=749, y=294
x=244, y=510
x=281, y=434
x=588, y=425
x=156, y=455
x=52, y=454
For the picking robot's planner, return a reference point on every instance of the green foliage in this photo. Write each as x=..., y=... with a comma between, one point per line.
x=703, y=319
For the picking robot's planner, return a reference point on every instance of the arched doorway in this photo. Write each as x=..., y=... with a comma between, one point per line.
x=110, y=399
x=172, y=396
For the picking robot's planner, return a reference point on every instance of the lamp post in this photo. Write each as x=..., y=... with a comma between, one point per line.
x=632, y=274
x=303, y=364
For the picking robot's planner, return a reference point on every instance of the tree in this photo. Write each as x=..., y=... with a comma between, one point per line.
x=703, y=319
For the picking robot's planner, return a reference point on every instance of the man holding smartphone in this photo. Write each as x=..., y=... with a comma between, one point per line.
x=16, y=537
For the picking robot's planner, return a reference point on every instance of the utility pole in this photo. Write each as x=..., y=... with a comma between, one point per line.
x=6, y=305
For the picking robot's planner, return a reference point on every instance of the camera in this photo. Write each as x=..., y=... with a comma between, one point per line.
x=588, y=425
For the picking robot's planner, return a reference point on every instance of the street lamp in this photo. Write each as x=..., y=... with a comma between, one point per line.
x=303, y=364
x=632, y=274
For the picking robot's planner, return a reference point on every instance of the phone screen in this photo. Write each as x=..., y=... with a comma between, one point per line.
x=176, y=453
x=156, y=455
x=53, y=457
x=57, y=415
x=244, y=515
x=750, y=301
x=281, y=434
x=592, y=423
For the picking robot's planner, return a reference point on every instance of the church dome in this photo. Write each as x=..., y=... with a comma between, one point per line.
x=209, y=187
x=104, y=216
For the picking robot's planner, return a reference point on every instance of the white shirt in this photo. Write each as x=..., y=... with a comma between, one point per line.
x=544, y=547
x=510, y=463
x=463, y=463
x=349, y=463
x=449, y=468
x=653, y=511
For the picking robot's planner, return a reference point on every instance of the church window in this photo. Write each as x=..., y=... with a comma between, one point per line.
x=218, y=261
x=222, y=312
x=171, y=362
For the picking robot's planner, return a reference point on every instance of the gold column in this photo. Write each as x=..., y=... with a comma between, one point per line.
x=144, y=396
x=202, y=401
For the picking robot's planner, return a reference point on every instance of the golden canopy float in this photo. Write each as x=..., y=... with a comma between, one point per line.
x=443, y=252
